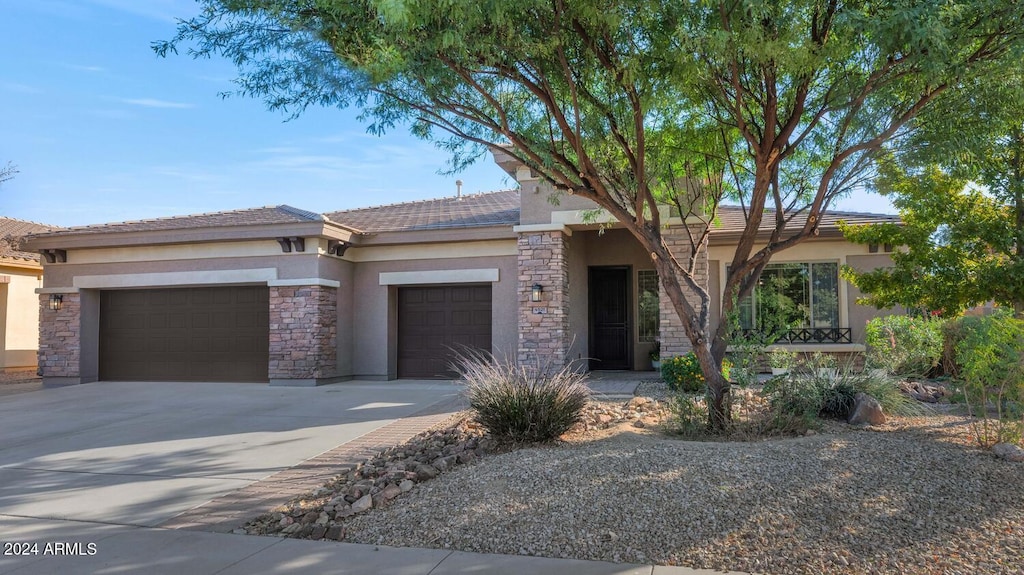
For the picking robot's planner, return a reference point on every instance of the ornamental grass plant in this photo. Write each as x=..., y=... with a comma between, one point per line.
x=519, y=403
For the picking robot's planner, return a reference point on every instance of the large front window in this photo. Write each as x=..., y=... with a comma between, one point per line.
x=647, y=306
x=793, y=296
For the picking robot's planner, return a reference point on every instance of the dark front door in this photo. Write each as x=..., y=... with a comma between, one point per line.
x=437, y=322
x=609, y=318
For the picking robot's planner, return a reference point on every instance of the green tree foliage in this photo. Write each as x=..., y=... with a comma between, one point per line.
x=961, y=200
x=778, y=104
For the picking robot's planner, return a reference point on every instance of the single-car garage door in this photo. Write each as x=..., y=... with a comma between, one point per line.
x=436, y=321
x=185, y=334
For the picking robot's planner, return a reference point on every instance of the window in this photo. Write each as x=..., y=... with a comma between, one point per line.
x=647, y=306
x=793, y=295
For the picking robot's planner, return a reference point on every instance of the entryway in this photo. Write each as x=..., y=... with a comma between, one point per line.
x=610, y=328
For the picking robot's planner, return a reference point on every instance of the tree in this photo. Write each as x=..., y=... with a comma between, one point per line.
x=962, y=204
x=774, y=104
x=7, y=172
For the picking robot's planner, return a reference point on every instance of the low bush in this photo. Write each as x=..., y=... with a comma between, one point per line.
x=904, y=345
x=520, y=403
x=690, y=416
x=682, y=373
x=794, y=401
x=989, y=354
x=837, y=399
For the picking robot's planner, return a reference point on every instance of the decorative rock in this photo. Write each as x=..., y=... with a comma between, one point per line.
x=309, y=517
x=866, y=409
x=1009, y=452
x=362, y=504
x=318, y=532
x=335, y=533
x=406, y=485
x=391, y=491
x=286, y=521
x=425, y=472
x=323, y=519
x=291, y=528
x=466, y=457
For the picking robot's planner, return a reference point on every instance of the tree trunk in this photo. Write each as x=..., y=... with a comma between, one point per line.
x=718, y=396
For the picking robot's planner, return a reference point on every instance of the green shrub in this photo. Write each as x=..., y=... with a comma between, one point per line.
x=990, y=356
x=837, y=399
x=904, y=345
x=892, y=399
x=794, y=401
x=520, y=403
x=682, y=373
x=690, y=415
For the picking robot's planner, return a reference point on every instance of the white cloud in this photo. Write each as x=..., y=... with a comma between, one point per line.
x=154, y=103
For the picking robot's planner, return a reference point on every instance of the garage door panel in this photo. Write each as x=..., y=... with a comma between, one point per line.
x=437, y=322
x=188, y=334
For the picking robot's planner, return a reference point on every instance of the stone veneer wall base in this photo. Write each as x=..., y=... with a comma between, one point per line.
x=67, y=381
x=309, y=382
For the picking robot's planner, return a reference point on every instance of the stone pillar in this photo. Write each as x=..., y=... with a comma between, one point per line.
x=60, y=340
x=303, y=335
x=674, y=340
x=544, y=337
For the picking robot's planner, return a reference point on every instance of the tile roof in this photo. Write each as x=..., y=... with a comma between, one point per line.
x=476, y=210
x=11, y=232
x=282, y=214
x=731, y=220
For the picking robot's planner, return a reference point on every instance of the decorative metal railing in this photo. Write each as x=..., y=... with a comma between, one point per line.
x=811, y=335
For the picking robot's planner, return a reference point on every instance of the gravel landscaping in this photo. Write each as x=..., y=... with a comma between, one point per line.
x=912, y=496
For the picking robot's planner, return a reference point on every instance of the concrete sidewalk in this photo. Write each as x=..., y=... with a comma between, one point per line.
x=107, y=549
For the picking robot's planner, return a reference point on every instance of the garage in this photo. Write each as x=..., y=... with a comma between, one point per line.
x=184, y=334
x=436, y=321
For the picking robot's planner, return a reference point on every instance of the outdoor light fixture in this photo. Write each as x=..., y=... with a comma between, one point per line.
x=535, y=294
x=56, y=301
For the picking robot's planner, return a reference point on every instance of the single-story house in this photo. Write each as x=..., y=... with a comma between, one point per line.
x=291, y=297
x=20, y=275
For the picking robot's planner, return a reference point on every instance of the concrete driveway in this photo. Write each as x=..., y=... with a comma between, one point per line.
x=129, y=453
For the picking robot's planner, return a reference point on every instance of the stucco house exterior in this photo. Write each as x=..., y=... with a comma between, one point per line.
x=20, y=275
x=291, y=297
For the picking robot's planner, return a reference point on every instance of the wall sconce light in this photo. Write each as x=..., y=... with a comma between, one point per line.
x=56, y=301
x=535, y=293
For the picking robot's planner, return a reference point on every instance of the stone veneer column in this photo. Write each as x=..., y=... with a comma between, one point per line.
x=60, y=339
x=544, y=336
x=303, y=335
x=674, y=340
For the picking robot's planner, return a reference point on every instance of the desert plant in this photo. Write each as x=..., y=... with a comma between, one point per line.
x=991, y=365
x=904, y=345
x=794, y=401
x=837, y=398
x=690, y=415
x=682, y=373
x=781, y=359
x=522, y=403
x=884, y=389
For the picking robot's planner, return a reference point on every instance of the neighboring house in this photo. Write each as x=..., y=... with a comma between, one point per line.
x=293, y=297
x=20, y=275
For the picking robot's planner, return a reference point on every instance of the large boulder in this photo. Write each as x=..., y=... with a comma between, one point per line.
x=1009, y=452
x=866, y=410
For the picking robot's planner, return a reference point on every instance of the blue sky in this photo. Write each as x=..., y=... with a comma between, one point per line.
x=103, y=130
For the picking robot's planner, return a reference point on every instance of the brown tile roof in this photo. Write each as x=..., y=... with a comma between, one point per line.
x=731, y=220
x=282, y=214
x=487, y=209
x=11, y=232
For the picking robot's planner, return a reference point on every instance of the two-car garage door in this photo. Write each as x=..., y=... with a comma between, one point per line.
x=185, y=334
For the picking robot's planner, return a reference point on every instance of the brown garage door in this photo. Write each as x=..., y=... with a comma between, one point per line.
x=435, y=321
x=186, y=334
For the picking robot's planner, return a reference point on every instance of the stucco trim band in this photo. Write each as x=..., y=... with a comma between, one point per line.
x=483, y=275
x=171, y=279
x=304, y=282
x=533, y=228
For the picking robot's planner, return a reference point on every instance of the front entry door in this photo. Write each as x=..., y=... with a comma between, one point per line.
x=609, y=318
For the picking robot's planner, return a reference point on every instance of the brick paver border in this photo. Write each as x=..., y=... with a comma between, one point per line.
x=232, y=510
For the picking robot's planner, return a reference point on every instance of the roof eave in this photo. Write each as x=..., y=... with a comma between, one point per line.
x=95, y=239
